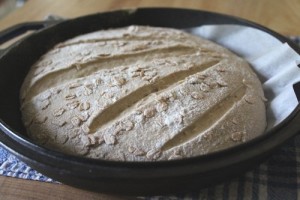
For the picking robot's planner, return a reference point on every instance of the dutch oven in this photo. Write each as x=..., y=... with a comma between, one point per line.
x=125, y=178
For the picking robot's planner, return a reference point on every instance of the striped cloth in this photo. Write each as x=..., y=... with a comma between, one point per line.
x=276, y=178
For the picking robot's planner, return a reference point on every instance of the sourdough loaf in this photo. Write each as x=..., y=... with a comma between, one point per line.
x=141, y=94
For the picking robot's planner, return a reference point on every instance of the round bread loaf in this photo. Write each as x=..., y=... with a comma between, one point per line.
x=141, y=94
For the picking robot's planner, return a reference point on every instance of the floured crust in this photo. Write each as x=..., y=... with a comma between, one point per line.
x=141, y=94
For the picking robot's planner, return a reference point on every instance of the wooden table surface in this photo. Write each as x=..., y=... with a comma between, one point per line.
x=282, y=16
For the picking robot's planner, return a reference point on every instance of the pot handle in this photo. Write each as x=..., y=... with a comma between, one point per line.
x=22, y=28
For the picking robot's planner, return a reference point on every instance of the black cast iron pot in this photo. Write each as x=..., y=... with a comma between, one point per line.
x=126, y=178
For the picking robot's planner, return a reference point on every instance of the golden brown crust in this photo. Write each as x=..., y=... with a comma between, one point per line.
x=141, y=94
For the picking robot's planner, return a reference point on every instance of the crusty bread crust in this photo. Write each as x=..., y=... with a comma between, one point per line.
x=141, y=94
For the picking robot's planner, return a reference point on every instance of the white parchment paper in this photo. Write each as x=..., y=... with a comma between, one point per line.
x=274, y=62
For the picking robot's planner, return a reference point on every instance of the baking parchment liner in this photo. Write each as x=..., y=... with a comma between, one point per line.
x=274, y=62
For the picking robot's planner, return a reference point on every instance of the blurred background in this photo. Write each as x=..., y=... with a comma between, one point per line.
x=282, y=16
x=6, y=6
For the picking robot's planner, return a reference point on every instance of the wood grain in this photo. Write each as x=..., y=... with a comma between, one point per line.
x=20, y=189
x=282, y=16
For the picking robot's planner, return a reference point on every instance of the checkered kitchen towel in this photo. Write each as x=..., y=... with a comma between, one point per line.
x=276, y=178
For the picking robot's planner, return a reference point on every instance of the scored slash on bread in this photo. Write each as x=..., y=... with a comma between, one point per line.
x=141, y=94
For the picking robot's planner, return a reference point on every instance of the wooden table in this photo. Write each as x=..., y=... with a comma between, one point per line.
x=282, y=16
